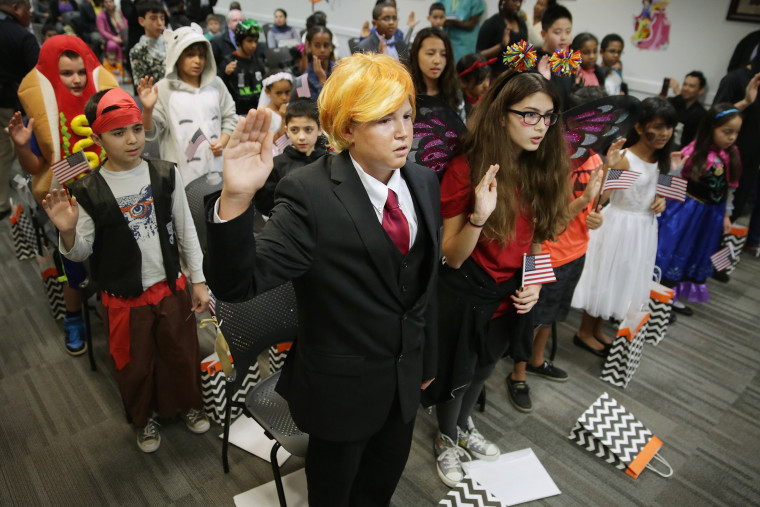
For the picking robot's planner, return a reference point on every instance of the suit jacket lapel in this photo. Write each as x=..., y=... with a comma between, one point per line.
x=421, y=193
x=354, y=197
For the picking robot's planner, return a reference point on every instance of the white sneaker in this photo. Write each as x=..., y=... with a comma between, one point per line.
x=476, y=444
x=449, y=462
x=196, y=421
x=148, y=437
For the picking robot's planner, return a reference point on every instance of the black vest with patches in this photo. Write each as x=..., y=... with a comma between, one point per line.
x=116, y=260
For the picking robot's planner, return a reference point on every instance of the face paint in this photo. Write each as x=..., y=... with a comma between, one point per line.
x=651, y=136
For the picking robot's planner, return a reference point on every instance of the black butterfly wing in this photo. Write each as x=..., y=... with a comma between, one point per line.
x=594, y=126
x=437, y=129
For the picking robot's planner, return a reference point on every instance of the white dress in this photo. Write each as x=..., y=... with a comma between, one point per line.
x=621, y=253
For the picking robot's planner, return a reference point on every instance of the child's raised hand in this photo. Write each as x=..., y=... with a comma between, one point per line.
x=319, y=70
x=247, y=162
x=594, y=185
x=677, y=160
x=383, y=48
x=594, y=219
x=750, y=94
x=201, y=297
x=365, y=32
x=411, y=22
x=148, y=92
x=62, y=213
x=543, y=67
x=485, y=196
x=615, y=153
x=20, y=135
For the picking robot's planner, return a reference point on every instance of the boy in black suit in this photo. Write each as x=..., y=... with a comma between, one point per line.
x=359, y=235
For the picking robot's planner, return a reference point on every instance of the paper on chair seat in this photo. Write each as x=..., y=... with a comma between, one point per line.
x=249, y=436
x=265, y=495
x=516, y=477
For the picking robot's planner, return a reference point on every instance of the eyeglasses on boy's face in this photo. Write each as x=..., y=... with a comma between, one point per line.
x=532, y=118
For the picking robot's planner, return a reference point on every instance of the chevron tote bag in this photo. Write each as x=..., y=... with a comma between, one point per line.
x=469, y=493
x=737, y=238
x=625, y=354
x=612, y=433
x=660, y=301
x=22, y=231
x=213, y=385
x=53, y=284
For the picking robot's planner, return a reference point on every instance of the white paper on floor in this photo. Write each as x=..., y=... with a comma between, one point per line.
x=249, y=436
x=266, y=495
x=514, y=478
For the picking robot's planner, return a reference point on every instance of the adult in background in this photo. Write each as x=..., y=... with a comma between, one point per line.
x=500, y=31
x=19, y=51
x=359, y=235
x=224, y=44
x=739, y=87
x=197, y=10
x=690, y=110
x=463, y=28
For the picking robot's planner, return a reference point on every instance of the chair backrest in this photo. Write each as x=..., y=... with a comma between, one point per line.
x=266, y=28
x=253, y=326
x=196, y=192
x=353, y=43
x=279, y=58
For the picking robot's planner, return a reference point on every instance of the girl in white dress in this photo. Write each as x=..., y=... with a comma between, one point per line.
x=621, y=254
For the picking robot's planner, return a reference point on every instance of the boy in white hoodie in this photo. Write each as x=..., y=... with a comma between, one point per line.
x=190, y=111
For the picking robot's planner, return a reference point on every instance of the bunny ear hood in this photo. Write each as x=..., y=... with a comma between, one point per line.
x=180, y=39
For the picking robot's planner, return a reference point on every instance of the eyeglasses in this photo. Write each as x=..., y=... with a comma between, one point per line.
x=138, y=210
x=532, y=118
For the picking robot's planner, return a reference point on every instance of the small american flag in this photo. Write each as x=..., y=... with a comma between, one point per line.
x=302, y=86
x=722, y=258
x=194, y=143
x=280, y=144
x=618, y=179
x=70, y=167
x=537, y=269
x=671, y=187
x=212, y=304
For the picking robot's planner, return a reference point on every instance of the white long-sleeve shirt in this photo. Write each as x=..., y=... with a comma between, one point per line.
x=134, y=196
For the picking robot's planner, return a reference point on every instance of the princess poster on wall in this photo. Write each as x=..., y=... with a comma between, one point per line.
x=652, y=26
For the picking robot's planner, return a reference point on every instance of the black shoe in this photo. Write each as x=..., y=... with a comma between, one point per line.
x=683, y=311
x=672, y=318
x=519, y=394
x=580, y=343
x=5, y=213
x=721, y=276
x=547, y=371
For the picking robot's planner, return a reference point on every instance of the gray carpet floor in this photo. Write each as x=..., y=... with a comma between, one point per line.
x=64, y=439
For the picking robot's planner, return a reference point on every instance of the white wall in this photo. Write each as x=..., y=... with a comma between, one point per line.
x=700, y=36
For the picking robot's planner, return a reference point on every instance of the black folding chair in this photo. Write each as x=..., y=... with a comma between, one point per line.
x=197, y=191
x=250, y=328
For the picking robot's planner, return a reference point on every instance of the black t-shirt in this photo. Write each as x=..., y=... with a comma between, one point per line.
x=492, y=32
x=689, y=116
x=244, y=83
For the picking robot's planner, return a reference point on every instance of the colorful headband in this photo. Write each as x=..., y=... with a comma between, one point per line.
x=565, y=62
x=280, y=76
x=477, y=65
x=724, y=113
x=521, y=56
x=116, y=109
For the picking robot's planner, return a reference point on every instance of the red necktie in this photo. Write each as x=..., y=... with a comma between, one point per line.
x=395, y=224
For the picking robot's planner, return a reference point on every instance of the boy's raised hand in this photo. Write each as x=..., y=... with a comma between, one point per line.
x=20, y=135
x=62, y=213
x=148, y=92
x=247, y=162
x=544, y=68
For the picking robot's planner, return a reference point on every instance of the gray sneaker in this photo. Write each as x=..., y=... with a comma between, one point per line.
x=148, y=438
x=196, y=421
x=449, y=461
x=476, y=444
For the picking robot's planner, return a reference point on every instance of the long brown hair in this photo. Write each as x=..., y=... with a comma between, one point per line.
x=542, y=176
x=695, y=166
x=448, y=84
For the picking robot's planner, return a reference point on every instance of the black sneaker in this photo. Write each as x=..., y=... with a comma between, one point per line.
x=721, y=276
x=547, y=371
x=519, y=394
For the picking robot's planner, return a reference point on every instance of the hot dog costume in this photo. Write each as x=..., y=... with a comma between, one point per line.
x=60, y=126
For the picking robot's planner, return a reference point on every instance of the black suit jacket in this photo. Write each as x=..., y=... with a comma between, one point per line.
x=372, y=45
x=359, y=346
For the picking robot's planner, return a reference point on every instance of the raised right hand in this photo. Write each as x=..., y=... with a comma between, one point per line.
x=20, y=135
x=62, y=213
x=365, y=32
x=485, y=196
x=148, y=92
x=247, y=162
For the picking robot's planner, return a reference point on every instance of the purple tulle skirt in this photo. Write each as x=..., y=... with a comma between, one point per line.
x=689, y=233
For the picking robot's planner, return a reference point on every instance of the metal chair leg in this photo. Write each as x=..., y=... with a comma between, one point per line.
x=276, y=472
x=228, y=391
x=554, y=342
